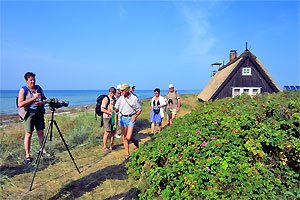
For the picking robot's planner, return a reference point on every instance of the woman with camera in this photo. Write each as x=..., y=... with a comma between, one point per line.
x=157, y=110
x=31, y=111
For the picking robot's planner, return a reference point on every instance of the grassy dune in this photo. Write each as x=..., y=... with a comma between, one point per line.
x=103, y=176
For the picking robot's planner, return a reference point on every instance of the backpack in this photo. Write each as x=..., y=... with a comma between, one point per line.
x=98, y=107
x=25, y=94
x=23, y=111
x=171, y=99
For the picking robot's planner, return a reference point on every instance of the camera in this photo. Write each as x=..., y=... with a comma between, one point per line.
x=55, y=103
x=170, y=101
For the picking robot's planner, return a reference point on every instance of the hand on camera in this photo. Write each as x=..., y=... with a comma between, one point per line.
x=37, y=99
x=37, y=96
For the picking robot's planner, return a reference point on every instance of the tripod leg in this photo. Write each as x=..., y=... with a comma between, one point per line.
x=37, y=161
x=66, y=145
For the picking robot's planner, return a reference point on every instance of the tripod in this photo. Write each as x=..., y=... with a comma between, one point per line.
x=50, y=127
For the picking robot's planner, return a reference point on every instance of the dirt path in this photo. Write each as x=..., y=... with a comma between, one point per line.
x=103, y=175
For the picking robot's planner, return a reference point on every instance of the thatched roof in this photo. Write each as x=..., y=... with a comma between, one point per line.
x=222, y=75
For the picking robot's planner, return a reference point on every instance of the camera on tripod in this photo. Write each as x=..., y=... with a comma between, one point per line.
x=55, y=103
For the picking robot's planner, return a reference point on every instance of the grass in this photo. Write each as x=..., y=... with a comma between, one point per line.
x=103, y=176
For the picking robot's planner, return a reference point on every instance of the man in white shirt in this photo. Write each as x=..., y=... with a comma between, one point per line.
x=129, y=108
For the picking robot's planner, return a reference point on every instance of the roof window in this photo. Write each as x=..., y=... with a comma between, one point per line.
x=246, y=71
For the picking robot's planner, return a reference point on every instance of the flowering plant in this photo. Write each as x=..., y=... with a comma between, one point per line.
x=241, y=148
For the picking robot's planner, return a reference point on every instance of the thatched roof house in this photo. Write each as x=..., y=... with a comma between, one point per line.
x=242, y=74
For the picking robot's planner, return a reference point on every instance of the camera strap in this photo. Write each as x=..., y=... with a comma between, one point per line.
x=130, y=105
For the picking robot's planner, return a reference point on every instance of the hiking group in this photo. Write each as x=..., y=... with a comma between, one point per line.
x=121, y=107
x=119, y=110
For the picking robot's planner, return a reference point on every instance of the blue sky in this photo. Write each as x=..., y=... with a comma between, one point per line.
x=97, y=44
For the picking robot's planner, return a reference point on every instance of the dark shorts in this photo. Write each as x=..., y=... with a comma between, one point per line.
x=34, y=121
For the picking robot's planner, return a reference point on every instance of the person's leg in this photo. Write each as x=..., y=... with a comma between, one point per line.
x=152, y=127
x=159, y=128
x=131, y=138
x=111, y=137
x=173, y=115
x=169, y=117
x=125, y=141
x=27, y=141
x=39, y=124
x=105, y=136
x=29, y=127
x=40, y=134
x=129, y=133
x=107, y=130
x=170, y=120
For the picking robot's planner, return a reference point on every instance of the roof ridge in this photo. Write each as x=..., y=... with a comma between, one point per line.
x=237, y=58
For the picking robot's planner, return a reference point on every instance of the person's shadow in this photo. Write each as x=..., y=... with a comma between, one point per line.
x=79, y=187
x=11, y=171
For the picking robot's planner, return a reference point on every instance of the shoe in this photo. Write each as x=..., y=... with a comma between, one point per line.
x=136, y=144
x=47, y=156
x=105, y=150
x=111, y=148
x=28, y=160
x=117, y=136
x=126, y=158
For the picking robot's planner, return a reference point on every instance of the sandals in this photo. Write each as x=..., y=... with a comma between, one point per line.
x=105, y=150
x=126, y=158
x=47, y=156
x=28, y=160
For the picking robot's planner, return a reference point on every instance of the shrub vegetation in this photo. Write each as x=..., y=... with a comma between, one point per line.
x=239, y=148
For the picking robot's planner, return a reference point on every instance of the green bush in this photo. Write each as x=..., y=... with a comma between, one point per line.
x=77, y=130
x=237, y=148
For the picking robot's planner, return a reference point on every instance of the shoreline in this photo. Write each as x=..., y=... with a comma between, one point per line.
x=7, y=119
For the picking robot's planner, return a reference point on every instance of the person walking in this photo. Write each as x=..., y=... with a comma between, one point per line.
x=173, y=104
x=157, y=110
x=31, y=110
x=129, y=108
x=118, y=132
x=107, y=107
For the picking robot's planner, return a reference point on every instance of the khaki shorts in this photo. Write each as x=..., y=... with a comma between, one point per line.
x=171, y=111
x=32, y=121
x=107, y=124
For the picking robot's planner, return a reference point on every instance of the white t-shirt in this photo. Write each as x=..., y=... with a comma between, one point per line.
x=162, y=102
x=128, y=106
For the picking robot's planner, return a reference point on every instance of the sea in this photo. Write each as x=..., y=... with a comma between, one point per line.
x=74, y=97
